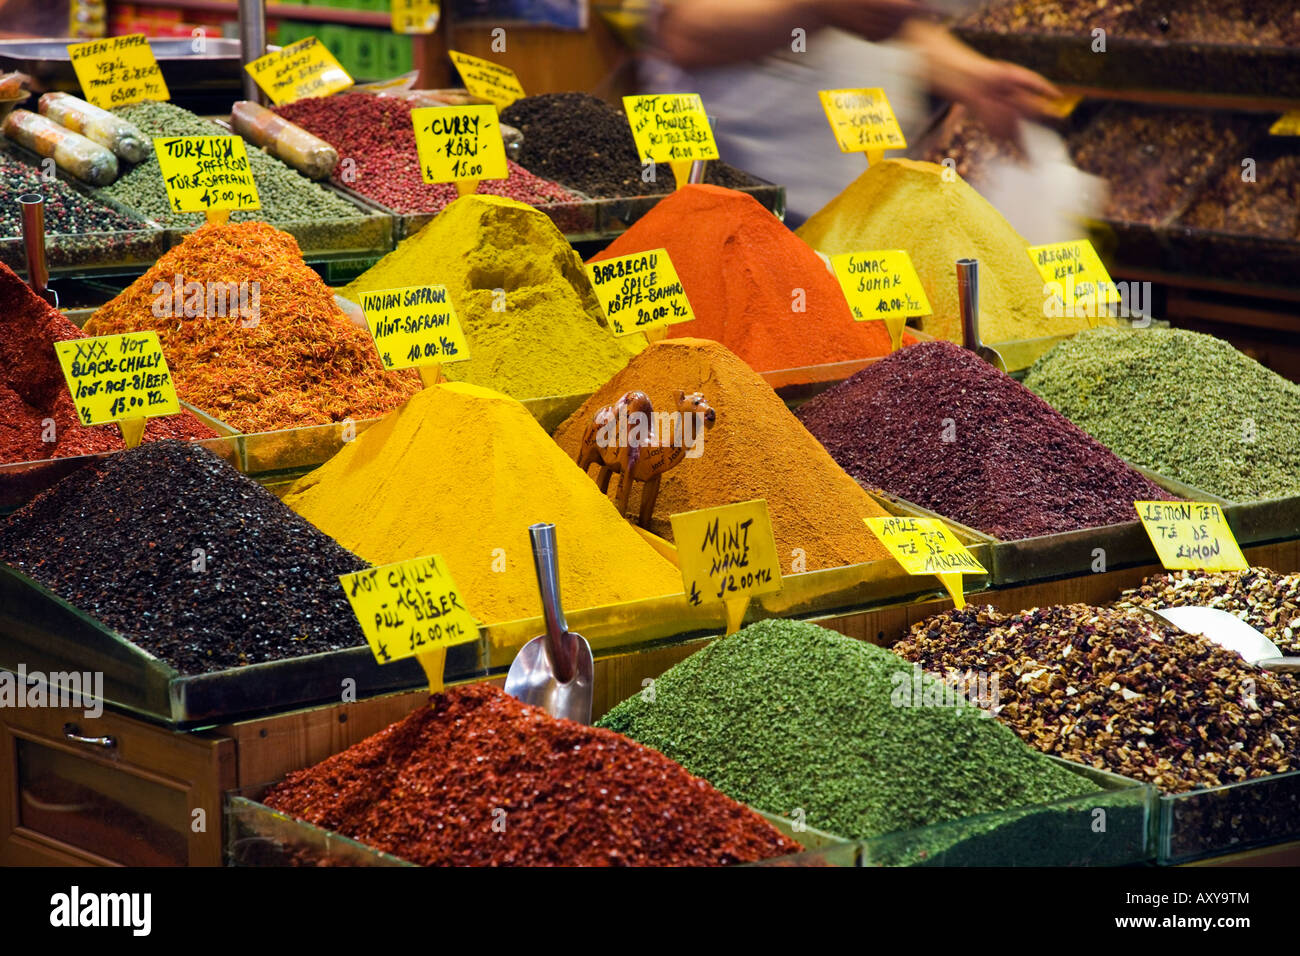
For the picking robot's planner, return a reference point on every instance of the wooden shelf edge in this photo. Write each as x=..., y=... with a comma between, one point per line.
x=281, y=11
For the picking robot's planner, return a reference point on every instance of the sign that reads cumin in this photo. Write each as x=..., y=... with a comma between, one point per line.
x=206, y=172
x=416, y=325
x=862, y=120
x=299, y=71
x=117, y=71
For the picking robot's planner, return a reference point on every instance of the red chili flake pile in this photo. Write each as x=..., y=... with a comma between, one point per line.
x=33, y=391
x=377, y=156
x=479, y=779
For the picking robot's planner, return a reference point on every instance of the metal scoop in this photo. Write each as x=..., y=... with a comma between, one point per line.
x=1228, y=630
x=554, y=671
x=968, y=297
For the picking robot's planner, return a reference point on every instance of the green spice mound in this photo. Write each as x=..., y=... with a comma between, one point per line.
x=786, y=715
x=1183, y=404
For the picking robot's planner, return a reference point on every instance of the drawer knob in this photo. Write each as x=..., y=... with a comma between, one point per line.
x=73, y=733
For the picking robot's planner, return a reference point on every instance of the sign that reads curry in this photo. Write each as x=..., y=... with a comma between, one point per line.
x=459, y=143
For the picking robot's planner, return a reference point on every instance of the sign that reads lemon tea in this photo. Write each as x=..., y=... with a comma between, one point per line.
x=1191, y=536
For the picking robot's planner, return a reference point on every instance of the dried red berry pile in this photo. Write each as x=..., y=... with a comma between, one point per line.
x=479, y=778
x=377, y=155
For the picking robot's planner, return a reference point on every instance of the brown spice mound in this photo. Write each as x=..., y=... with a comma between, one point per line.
x=479, y=779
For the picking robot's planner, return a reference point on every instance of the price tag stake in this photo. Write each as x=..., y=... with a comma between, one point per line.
x=727, y=555
x=927, y=546
x=1191, y=536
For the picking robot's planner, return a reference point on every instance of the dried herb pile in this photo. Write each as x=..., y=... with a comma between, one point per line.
x=1264, y=599
x=1182, y=404
x=479, y=778
x=37, y=417
x=185, y=557
x=1118, y=691
x=788, y=716
x=297, y=361
x=938, y=426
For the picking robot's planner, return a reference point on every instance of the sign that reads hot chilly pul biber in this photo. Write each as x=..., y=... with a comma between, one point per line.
x=640, y=292
x=117, y=71
x=409, y=608
x=1191, y=536
x=115, y=378
x=206, y=172
x=727, y=555
x=299, y=71
x=459, y=142
x=416, y=325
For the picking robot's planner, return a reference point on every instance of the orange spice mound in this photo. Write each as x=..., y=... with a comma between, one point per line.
x=747, y=276
x=294, y=360
x=756, y=449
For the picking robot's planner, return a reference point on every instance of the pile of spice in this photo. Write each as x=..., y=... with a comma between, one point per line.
x=971, y=147
x=788, y=716
x=1210, y=416
x=285, y=356
x=1264, y=599
x=462, y=472
x=375, y=140
x=1269, y=205
x=286, y=196
x=586, y=144
x=183, y=556
x=755, y=449
x=534, y=325
x=752, y=284
x=1116, y=690
x=37, y=417
x=942, y=428
x=1236, y=22
x=479, y=779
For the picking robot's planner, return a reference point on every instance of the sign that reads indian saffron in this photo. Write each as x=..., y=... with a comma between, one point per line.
x=882, y=285
x=299, y=71
x=409, y=608
x=640, y=292
x=1191, y=536
x=927, y=546
x=487, y=80
x=670, y=127
x=727, y=555
x=862, y=120
x=415, y=16
x=459, y=142
x=416, y=325
x=117, y=71
x=115, y=378
x=206, y=172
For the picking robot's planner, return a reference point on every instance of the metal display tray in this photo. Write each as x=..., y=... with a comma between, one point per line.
x=46, y=61
x=1238, y=816
x=1217, y=69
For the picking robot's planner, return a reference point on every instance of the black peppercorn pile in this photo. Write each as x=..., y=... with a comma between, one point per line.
x=581, y=141
x=1121, y=692
x=1264, y=599
x=186, y=558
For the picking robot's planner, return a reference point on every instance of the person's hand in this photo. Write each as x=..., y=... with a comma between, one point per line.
x=873, y=19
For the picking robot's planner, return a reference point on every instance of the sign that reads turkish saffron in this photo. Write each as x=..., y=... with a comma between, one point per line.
x=299, y=71
x=927, y=546
x=487, y=80
x=115, y=378
x=416, y=325
x=415, y=16
x=727, y=554
x=409, y=608
x=862, y=120
x=1191, y=536
x=459, y=142
x=640, y=292
x=206, y=172
x=117, y=71
x=670, y=127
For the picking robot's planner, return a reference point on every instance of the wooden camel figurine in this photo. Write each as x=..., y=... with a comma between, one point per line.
x=623, y=439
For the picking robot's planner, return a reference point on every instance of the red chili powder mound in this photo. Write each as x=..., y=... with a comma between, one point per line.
x=33, y=390
x=743, y=270
x=479, y=779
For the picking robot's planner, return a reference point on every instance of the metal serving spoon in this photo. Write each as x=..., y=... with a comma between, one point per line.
x=968, y=298
x=1228, y=630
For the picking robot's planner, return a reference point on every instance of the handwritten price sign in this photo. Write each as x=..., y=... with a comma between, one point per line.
x=413, y=326
x=206, y=172
x=1191, y=536
x=117, y=71
x=862, y=120
x=299, y=71
x=115, y=378
x=727, y=555
x=640, y=292
x=459, y=143
x=927, y=546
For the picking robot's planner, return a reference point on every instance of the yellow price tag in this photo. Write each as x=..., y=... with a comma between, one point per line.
x=415, y=16
x=409, y=608
x=118, y=378
x=1074, y=276
x=459, y=143
x=640, y=292
x=862, y=121
x=487, y=80
x=882, y=285
x=117, y=71
x=927, y=546
x=416, y=325
x=727, y=555
x=1191, y=536
x=299, y=71
x=1288, y=124
x=670, y=127
x=203, y=173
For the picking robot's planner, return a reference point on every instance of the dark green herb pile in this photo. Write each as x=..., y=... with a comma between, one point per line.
x=788, y=716
x=285, y=195
x=1186, y=405
x=187, y=558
